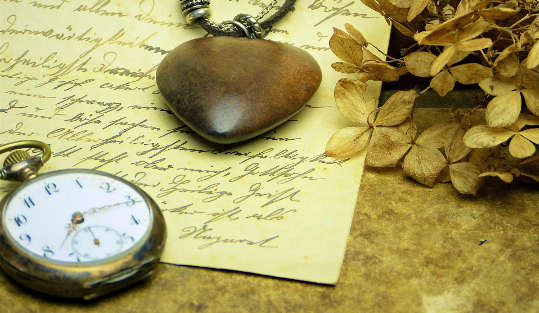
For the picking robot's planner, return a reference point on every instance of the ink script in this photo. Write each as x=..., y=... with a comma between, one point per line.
x=80, y=76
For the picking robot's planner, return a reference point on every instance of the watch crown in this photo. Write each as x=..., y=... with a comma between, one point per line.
x=15, y=157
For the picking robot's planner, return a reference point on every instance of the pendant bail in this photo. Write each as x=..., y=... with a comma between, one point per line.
x=249, y=25
x=192, y=10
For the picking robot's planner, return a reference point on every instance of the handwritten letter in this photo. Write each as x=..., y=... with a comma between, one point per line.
x=80, y=75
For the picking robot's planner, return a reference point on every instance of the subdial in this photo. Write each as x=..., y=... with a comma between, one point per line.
x=96, y=242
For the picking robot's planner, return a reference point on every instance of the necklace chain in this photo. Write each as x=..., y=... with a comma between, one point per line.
x=266, y=10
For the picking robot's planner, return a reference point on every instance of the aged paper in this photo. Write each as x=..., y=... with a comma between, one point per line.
x=80, y=75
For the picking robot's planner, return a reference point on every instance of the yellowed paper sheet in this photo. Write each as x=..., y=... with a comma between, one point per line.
x=80, y=75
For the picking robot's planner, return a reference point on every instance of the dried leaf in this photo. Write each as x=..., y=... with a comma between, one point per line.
x=471, y=73
x=399, y=14
x=424, y=164
x=497, y=86
x=356, y=34
x=456, y=150
x=532, y=135
x=520, y=147
x=465, y=177
x=369, y=56
x=348, y=141
x=504, y=110
x=346, y=68
x=443, y=83
x=504, y=176
x=397, y=108
x=350, y=100
x=533, y=57
x=532, y=100
x=346, y=48
x=387, y=147
x=526, y=120
x=509, y=66
x=419, y=63
x=510, y=50
x=475, y=44
x=437, y=136
x=442, y=60
x=381, y=71
x=485, y=137
x=416, y=7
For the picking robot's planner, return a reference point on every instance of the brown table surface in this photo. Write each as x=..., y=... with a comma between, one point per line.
x=411, y=249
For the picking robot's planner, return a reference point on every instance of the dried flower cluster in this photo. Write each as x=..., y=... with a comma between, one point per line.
x=492, y=44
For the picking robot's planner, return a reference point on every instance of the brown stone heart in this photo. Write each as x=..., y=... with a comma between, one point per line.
x=232, y=89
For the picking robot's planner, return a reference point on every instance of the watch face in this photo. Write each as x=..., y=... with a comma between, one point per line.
x=77, y=217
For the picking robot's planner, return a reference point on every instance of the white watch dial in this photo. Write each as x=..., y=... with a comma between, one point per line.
x=77, y=217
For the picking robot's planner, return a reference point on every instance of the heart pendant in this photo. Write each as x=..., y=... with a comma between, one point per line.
x=230, y=89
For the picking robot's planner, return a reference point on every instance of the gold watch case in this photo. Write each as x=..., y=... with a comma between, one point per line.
x=83, y=280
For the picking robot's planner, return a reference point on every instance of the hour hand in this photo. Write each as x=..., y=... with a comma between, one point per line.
x=76, y=219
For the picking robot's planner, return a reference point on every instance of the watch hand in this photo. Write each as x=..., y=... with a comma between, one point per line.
x=96, y=241
x=109, y=206
x=76, y=219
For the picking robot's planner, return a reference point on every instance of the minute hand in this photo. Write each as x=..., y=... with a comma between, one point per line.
x=109, y=206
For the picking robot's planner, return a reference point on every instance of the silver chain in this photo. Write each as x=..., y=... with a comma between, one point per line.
x=266, y=10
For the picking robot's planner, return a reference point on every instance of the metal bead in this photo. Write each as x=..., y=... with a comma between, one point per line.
x=192, y=10
x=254, y=30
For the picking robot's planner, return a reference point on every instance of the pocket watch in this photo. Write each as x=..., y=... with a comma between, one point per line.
x=75, y=233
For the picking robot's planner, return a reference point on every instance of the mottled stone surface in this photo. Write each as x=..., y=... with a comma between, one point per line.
x=411, y=249
x=232, y=89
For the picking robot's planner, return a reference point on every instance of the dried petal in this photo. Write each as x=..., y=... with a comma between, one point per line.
x=459, y=56
x=403, y=29
x=387, y=147
x=504, y=176
x=424, y=164
x=346, y=48
x=485, y=137
x=442, y=60
x=456, y=150
x=532, y=135
x=509, y=66
x=437, y=136
x=465, y=177
x=369, y=56
x=497, y=86
x=348, y=141
x=381, y=71
x=504, y=110
x=473, y=30
x=399, y=14
x=372, y=4
x=397, y=108
x=475, y=44
x=526, y=120
x=499, y=13
x=350, y=100
x=408, y=128
x=533, y=57
x=530, y=79
x=444, y=176
x=467, y=6
x=510, y=50
x=416, y=7
x=419, y=63
x=445, y=33
x=356, y=34
x=471, y=73
x=405, y=4
x=521, y=147
x=479, y=158
x=443, y=83
x=532, y=100
x=346, y=68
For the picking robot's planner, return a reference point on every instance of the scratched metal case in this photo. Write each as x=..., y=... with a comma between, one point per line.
x=88, y=280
